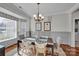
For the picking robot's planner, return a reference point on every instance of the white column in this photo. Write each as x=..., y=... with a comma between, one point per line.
x=72, y=29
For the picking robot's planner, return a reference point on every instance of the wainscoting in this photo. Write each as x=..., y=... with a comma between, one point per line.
x=8, y=43
x=64, y=36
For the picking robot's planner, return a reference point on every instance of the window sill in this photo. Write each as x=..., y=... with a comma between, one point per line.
x=6, y=39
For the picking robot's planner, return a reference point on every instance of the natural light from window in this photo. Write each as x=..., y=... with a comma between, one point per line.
x=8, y=29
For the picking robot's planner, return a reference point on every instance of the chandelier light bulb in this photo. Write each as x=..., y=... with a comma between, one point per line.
x=34, y=15
x=40, y=15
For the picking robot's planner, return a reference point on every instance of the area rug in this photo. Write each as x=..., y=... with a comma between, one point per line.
x=14, y=53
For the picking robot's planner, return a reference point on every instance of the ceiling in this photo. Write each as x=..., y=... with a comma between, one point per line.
x=46, y=9
x=11, y=7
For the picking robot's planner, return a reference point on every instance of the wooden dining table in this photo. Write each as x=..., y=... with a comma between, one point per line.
x=48, y=46
x=49, y=49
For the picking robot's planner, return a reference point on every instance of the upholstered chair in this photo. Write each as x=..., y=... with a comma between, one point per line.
x=40, y=48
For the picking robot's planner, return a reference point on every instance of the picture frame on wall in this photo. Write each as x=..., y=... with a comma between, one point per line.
x=38, y=26
x=47, y=26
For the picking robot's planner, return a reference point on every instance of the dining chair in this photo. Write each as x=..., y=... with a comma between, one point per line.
x=40, y=48
x=33, y=48
x=24, y=48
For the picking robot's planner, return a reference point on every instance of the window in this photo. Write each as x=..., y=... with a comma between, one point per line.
x=8, y=29
x=22, y=28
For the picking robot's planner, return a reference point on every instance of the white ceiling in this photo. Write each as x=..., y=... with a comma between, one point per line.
x=12, y=8
x=46, y=9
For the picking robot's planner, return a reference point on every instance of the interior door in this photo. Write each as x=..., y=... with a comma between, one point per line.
x=77, y=32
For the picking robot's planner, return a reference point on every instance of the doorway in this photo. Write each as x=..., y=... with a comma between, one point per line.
x=76, y=32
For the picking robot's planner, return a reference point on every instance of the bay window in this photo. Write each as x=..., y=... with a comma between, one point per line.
x=8, y=29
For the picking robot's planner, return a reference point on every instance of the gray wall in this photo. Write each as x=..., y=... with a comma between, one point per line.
x=65, y=37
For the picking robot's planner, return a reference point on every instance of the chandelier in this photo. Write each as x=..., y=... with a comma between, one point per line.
x=38, y=16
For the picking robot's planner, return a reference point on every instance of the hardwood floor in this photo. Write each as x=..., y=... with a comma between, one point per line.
x=10, y=48
x=70, y=51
